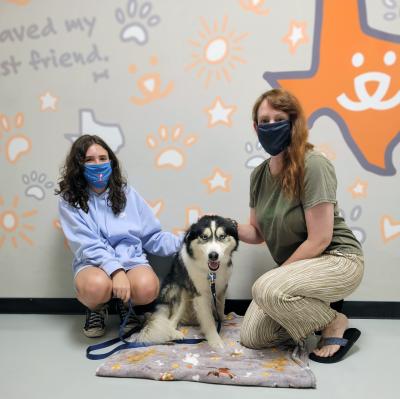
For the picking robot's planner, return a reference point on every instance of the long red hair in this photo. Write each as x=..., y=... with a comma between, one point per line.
x=292, y=173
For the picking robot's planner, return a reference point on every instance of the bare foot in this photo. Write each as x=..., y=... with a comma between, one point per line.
x=335, y=328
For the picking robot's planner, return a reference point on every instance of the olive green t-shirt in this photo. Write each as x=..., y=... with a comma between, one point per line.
x=282, y=221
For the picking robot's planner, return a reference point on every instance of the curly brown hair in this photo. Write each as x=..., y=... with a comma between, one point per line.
x=292, y=173
x=73, y=186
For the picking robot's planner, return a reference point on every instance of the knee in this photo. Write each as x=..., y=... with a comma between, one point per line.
x=97, y=289
x=145, y=289
x=267, y=293
x=250, y=335
x=246, y=340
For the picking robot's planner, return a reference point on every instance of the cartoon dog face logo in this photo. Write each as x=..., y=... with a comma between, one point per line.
x=354, y=79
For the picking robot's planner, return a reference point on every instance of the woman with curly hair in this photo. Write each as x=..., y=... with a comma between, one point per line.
x=108, y=226
x=293, y=208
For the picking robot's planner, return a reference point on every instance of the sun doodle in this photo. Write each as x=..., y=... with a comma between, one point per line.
x=13, y=224
x=217, y=51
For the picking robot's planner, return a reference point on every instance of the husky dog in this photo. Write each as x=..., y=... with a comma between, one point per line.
x=185, y=295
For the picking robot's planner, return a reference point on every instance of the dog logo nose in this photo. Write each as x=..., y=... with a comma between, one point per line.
x=213, y=256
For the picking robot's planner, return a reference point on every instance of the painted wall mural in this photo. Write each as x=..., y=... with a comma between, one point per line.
x=364, y=94
x=170, y=90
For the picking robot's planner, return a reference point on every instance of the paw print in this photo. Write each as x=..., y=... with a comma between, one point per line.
x=171, y=156
x=16, y=144
x=36, y=185
x=354, y=216
x=255, y=159
x=391, y=14
x=136, y=30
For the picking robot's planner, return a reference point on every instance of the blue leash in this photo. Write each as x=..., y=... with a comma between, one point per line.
x=129, y=345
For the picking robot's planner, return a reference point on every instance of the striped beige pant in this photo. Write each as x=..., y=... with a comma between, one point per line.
x=292, y=301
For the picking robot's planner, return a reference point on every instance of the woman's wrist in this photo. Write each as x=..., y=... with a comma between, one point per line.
x=115, y=272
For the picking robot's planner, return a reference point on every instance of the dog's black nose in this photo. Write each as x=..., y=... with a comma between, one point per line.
x=213, y=256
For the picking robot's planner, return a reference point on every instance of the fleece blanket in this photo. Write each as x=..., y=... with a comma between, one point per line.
x=281, y=366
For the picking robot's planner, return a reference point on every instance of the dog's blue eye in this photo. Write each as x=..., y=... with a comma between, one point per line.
x=222, y=237
x=204, y=237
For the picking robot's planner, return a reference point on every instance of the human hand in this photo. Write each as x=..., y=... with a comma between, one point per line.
x=120, y=285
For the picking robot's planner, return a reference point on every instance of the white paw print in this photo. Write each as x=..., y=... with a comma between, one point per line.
x=137, y=29
x=36, y=185
x=392, y=13
x=355, y=214
x=255, y=159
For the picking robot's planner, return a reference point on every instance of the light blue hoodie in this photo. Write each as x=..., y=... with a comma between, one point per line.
x=110, y=241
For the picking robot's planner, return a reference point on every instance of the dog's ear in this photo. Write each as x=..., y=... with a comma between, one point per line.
x=233, y=222
x=187, y=236
x=234, y=230
x=187, y=239
x=190, y=233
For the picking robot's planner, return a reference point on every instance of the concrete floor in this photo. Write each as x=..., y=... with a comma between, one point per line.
x=43, y=356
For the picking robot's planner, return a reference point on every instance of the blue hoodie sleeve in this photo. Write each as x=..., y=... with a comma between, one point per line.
x=154, y=240
x=84, y=242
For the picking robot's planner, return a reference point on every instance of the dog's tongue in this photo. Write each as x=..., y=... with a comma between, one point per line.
x=213, y=265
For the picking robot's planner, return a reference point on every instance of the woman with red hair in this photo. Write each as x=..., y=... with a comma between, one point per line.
x=293, y=208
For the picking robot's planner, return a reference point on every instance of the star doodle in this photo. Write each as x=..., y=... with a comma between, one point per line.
x=220, y=113
x=48, y=102
x=218, y=181
x=297, y=35
x=358, y=189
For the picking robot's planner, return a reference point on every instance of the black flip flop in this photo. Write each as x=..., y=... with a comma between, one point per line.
x=350, y=336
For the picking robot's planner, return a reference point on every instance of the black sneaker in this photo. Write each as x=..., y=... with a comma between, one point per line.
x=133, y=321
x=95, y=322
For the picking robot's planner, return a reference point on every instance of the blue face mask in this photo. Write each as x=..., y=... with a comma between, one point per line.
x=274, y=137
x=98, y=175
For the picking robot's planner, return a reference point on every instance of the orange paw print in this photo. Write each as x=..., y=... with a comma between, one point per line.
x=16, y=144
x=171, y=156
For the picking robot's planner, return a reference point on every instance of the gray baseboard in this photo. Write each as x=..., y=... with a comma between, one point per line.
x=353, y=309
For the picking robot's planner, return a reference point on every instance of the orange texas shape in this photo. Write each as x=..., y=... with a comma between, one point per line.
x=355, y=79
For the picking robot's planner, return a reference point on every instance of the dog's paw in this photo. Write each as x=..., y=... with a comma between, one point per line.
x=177, y=335
x=143, y=336
x=216, y=343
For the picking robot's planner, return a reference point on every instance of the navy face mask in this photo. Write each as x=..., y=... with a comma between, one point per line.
x=274, y=137
x=98, y=175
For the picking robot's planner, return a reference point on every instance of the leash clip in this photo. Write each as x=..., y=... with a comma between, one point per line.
x=211, y=277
